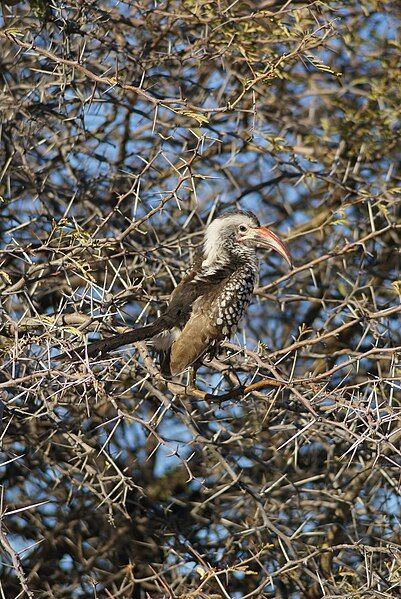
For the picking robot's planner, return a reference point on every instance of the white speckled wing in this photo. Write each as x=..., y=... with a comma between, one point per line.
x=233, y=300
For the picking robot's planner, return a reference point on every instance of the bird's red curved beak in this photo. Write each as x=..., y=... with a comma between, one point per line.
x=268, y=239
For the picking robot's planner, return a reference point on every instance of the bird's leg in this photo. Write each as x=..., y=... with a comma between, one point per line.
x=192, y=376
x=232, y=376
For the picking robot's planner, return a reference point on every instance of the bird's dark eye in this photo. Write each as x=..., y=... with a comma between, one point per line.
x=242, y=228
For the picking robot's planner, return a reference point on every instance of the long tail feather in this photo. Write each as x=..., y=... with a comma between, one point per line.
x=104, y=346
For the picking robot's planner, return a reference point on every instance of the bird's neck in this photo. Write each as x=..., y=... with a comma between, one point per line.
x=224, y=262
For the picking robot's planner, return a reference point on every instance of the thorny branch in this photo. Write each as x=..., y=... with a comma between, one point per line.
x=125, y=128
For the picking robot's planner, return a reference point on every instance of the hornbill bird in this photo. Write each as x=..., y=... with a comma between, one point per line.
x=208, y=303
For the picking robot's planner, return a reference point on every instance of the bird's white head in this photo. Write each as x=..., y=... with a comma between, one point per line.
x=237, y=235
